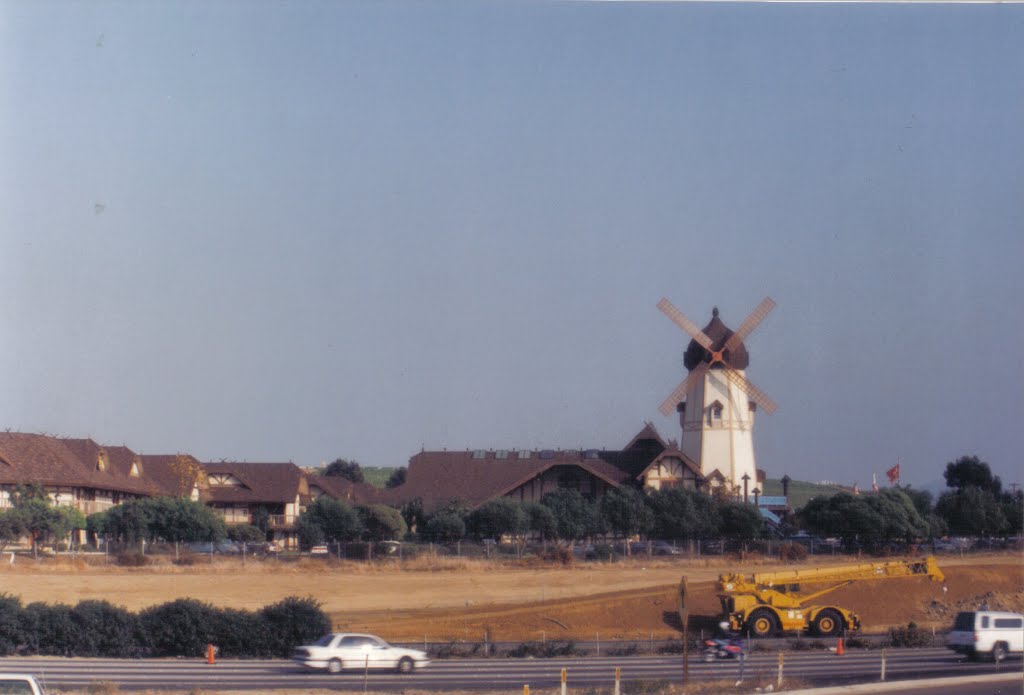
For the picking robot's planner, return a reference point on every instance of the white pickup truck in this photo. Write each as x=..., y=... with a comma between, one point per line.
x=987, y=633
x=19, y=684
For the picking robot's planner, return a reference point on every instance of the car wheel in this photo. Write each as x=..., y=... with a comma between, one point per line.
x=998, y=652
x=762, y=623
x=335, y=666
x=828, y=623
x=406, y=665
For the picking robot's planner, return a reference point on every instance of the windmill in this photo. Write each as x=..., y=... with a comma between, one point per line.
x=716, y=402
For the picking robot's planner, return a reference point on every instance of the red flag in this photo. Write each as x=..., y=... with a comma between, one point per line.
x=893, y=473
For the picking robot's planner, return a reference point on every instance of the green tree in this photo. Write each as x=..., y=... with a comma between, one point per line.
x=625, y=512
x=970, y=471
x=846, y=516
x=246, y=533
x=971, y=511
x=309, y=532
x=337, y=521
x=382, y=523
x=350, y=470
x=129, y=522
x=38, y=517
x=740, y=521
x=181, y=520
x=444, y=527
x=575, y=516
x=497, y=518
x=11, y=527
x=397, y=477
x=541, y=520
x=684, y=514
x=415, y=517
x=1012, y=505
x=900, y=518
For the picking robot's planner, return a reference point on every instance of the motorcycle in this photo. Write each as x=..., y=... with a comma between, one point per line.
x=723, y=649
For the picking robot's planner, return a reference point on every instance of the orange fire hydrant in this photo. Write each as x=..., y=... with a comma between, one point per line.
x=211, y=654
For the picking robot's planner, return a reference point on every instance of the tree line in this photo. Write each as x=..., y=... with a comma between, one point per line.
x=975, y=504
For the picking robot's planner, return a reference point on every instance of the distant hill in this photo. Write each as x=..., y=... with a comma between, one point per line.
x=801, y=492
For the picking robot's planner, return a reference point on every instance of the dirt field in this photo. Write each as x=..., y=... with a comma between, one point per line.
x=442, y=600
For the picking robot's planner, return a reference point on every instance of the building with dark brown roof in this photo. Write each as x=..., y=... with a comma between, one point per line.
x=248, y=493
x=474, y=477
x=75, y=472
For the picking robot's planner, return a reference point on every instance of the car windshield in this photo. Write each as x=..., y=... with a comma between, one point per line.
x=324, y=641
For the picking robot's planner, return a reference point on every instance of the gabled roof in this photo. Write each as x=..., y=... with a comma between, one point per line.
x=38, y=458
x=673, y=454
x=343, y=489
x=437, y=477
x=118, y=459
x=176, y=474
x=276, y=483
x=646, y=438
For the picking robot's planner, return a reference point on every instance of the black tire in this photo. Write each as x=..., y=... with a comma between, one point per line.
x=406, y=665
x=998, y=652
x=828, y=623
x=335, y=666
x=762, y=623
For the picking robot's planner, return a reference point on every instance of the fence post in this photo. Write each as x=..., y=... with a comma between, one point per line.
x=781, y=660
x=563, y=680
x=618, y=677
x=883, y=664
x=598, y=635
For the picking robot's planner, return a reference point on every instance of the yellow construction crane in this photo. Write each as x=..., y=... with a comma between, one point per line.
x=767, y=602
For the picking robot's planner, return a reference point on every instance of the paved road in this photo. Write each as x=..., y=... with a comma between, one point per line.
x=483, y=674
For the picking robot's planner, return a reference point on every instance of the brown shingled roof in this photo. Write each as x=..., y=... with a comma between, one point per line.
x=115, y=477
x=437, y=477
x=261, y=482
x=344, y=489
x=38, y=458
x=171, y=473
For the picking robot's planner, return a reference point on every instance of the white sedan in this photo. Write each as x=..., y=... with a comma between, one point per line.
x=340, y=651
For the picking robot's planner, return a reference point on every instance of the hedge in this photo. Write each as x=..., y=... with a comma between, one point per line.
x=180, y=628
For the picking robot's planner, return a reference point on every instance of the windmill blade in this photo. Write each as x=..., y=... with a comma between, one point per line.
x=669, y=404
x=686, y=324
x=756, y=394
x=748, y=326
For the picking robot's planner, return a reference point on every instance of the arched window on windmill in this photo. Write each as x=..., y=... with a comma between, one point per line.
x=715, y=413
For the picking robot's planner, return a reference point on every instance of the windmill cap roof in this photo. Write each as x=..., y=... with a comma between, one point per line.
x=719, y=333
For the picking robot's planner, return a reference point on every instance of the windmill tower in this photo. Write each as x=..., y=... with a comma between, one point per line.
x=716, y=402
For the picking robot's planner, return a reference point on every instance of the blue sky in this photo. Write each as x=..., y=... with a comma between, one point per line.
x=299, y=231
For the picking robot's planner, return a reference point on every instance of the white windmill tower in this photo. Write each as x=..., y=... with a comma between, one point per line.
x=716, y=402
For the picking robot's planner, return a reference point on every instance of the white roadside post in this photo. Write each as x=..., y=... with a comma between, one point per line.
x=564, y=684
x=781, y=659
x=618, y=679
x=883, y=665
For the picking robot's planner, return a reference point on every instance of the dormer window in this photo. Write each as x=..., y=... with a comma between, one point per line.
x=715, y=413
x=136, y=470
x=101, y=461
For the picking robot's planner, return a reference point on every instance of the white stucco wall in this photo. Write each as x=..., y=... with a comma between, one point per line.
x=725, y=444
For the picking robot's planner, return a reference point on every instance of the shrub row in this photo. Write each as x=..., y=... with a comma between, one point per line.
x=180, y=628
